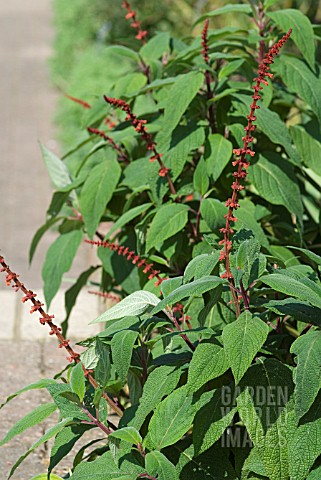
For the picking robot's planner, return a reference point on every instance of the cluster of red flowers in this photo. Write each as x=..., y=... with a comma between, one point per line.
x=133, y=257
x=78, y=100
x=205, y=42
x=139, y=126
x=241, y=173
x=131, y=15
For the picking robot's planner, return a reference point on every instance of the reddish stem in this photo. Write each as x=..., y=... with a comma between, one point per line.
x=122, y=155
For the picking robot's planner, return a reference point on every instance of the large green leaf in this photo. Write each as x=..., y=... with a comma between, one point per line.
x=276, y=183
x=208, y=362
x=293, y=287
x=168, y=220
x=47, y=436
x=300, y=80
x=129, y=434
x=308, y=147
x=180, y=96
x=305, y=443
x=213, y=464
x=128, y=217
x=242, y=340
x=159, y=466
x=212, y=419
x=105, y=468
x=134, y=304
x=155, y=47
x=59, y=258
x=302, y=311
x=57, y=169
x=265, y=405
x=218, y=151
x=97, y=191
x=302, y=33
x=64, y=442
x=39, y=234
x=199, y=266
x=160, y=382
x=196, y=288
x=172, y=418
x=37, y=415
x=307, y=375
x=200, y=179
x=122, y=345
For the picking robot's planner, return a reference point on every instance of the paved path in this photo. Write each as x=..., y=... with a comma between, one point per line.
x=27, y=104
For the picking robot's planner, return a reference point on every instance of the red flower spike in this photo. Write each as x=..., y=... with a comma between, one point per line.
x=232, y=203
x=205, y=42
x=131, y=15
x=78, y=100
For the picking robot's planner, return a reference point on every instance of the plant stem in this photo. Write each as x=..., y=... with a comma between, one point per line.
x=173, y=319
x=96, y=421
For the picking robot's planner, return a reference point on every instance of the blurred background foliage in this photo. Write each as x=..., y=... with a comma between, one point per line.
x=83, y=67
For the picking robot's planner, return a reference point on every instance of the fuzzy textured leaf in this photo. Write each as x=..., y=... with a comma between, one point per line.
x=242, y=340
x=168, y=220
x=134, y=304
x=158, y=465
x=208, y=362
x=59, y=258
x=292, y=287
x=218, y=152
x=122, y=347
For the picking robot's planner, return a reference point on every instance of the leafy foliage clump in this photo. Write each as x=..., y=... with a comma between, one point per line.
x=210, y=356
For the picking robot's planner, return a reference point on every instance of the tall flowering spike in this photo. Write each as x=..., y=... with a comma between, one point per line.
x=242, y=153
x=131, y=16
x=131, y=256
x=205, y=42
x=45, y=318
x=140, y=128
x=78, y=100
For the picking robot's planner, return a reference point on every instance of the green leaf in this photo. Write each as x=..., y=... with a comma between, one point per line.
x=39, y=234
x=302, y=33
x=305, y=443
x=292, y=287
x=64, y=442
x=160, y=382
x=271, y=125
x=237, y=8
x=67, y=401
x=213, y=211
x=103, y=367
x=200, y=266
x=247, y=219
x=98, y=191
x=200, y=178
x=59, y=258
x=123, y=51
x=37, y=415
x=229, y=68
x=128, y=434
x=133, y=305
x=250, y=261
x=307, y=375
x=242, y=340
x=168, y=220
x=105, y=468
x=43, y=383
x=57, y=169
x=71, y=296
x=122, y=345
x=158, y=465
x=128, y=217
x=173, y=417
x=212, y=420
x=311, y=255
x=196, y=288
x=180, y=96
x=214, y=464
x=308, y=147
x=301, y=81
x=265, y=405
x=297, y=309
x=277, y=184
x=218, y=152
x=208, y=362
x=155, y=47
x=47, y=436
x=77, y=381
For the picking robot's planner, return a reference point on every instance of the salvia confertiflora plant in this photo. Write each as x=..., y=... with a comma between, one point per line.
x=207, y=177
